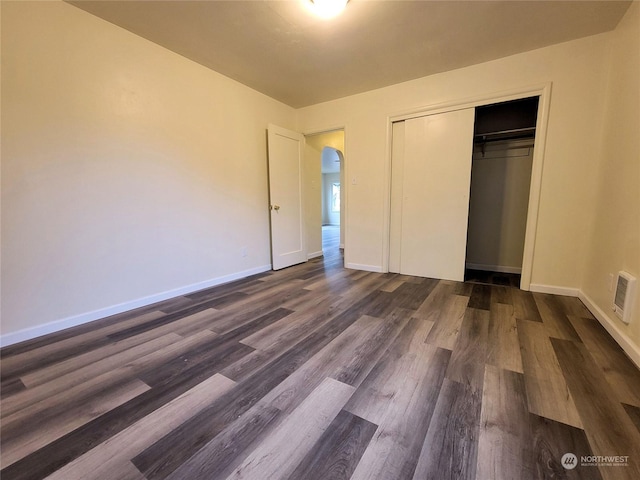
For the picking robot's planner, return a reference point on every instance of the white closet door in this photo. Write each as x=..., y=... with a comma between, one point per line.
x=435, y=194
x=397, y=178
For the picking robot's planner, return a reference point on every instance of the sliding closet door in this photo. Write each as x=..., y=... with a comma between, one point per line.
x=397, y=179
x=435, y=194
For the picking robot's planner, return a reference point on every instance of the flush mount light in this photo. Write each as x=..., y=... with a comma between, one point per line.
x=327, y=8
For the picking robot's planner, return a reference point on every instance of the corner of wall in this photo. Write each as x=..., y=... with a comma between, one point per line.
x=613, y=234
x=630, y=347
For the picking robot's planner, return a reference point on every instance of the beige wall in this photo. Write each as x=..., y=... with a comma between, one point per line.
x=570, y=156
x=127, y=170
x=615, y=235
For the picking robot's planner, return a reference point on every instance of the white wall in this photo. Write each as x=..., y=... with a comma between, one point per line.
x=615, y=234
x=329, y=217
x=127, y=170
x=575, y=124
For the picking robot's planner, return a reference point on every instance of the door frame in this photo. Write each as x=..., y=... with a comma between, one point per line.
x=543, y=92
x=343, y=185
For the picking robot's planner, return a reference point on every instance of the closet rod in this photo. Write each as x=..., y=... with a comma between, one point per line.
x=517, y=134
x=507, y=132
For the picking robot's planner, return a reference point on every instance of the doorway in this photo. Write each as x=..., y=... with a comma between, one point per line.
x=331, y=161
x=325, y=173
x=503, y=146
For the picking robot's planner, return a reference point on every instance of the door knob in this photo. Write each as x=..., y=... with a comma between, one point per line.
x=275, y=207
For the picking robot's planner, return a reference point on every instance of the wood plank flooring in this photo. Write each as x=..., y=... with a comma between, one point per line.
x=319, y=372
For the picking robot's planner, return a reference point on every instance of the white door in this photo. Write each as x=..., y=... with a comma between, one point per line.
x=397, y=179
x=436, y=177
x=285, y=195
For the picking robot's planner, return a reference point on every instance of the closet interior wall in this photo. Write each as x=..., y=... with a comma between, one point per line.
x=499, y=199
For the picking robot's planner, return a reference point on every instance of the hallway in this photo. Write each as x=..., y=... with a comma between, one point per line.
x=331, y=241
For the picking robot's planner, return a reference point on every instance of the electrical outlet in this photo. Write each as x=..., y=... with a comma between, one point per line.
x=243, y=251
x=611, y=277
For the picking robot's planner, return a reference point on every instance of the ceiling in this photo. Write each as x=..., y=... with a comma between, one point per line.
x=280, y=49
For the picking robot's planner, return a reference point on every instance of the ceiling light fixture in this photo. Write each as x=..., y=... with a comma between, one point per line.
x=328, y=8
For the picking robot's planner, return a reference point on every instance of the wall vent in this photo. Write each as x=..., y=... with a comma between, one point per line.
x=624, y=296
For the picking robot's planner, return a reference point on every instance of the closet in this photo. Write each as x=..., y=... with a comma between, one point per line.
x=459, y=190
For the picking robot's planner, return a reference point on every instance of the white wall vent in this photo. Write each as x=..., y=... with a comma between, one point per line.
x=624, y=296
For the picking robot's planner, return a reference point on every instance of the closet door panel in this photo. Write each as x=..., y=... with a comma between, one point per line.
x=397, y=178
x=435, y=194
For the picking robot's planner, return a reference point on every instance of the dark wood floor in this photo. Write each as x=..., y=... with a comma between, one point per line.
x=318, y=372
x=492, y=278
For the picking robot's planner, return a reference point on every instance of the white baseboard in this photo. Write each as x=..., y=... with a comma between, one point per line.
x=314, y=255
x=366, y=268
x=555, y=290
x=630, y=348
x=75, y=320
x=493, y=268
